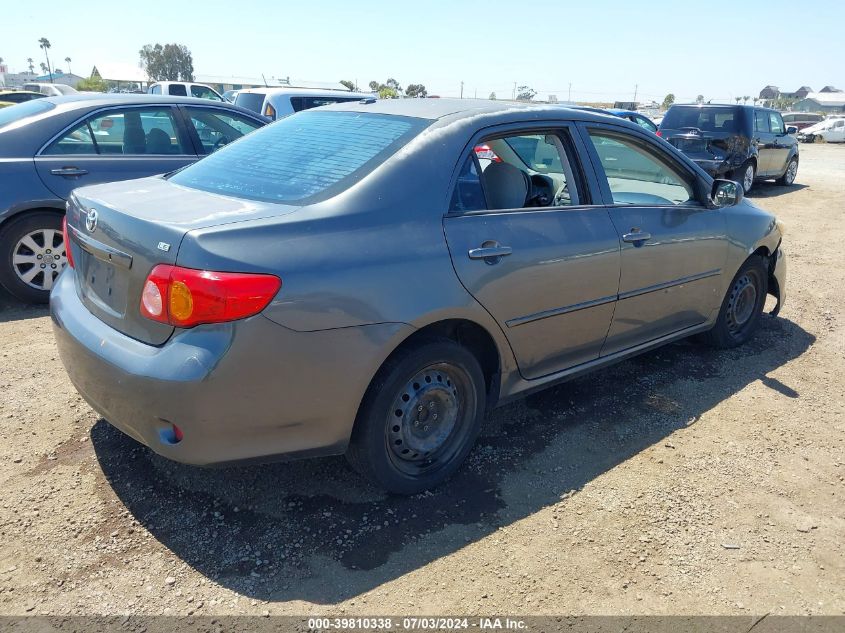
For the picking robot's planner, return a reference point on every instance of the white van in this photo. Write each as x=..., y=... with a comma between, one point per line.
x=184, y=89
x=278, y=102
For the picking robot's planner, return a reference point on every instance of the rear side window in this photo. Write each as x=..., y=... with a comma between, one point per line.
x=250, y=100
x=706, y=119
x=302, y=158
x=156, y=90
x=177, y=90
x=21, y=111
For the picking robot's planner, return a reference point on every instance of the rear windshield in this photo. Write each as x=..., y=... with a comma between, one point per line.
x=302, y=158
x=23, y=110
x=250, y=100
x=704, y=118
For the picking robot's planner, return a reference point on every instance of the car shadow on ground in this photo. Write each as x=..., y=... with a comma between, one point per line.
x=12, y=309
x=772, y=190
x=313, y=530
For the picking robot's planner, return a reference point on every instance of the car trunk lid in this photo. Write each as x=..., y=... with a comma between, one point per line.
x=118, y=232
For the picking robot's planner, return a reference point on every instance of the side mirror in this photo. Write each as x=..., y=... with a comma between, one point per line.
x=725, y=193
x=792, y=130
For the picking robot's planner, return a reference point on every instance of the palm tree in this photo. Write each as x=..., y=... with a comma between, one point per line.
x=44, y=44
x=745, y=99
x=31, y=65
x=43, y=68
x=69, y=71
x=738, y=99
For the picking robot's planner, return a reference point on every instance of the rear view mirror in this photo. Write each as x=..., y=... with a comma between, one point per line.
x=725, y=193
x=792, y=130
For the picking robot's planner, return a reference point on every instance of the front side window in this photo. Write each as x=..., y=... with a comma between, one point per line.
x=156, y=90
x=217, y=128
x=134, y=131
x=302, y=158
x=776, y=123
x=637, y=174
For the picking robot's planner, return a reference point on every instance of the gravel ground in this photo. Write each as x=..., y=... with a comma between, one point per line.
x=687, y=481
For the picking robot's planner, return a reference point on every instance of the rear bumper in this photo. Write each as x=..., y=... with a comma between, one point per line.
x=246, y=390
x=715, y=168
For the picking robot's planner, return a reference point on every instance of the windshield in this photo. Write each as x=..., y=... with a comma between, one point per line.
x=704, y=118
x=303, y=157
x=23, y=110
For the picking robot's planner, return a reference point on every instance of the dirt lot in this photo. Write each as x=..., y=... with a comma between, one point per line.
x=685, y=481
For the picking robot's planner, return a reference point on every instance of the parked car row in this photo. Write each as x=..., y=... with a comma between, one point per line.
x=208, y=312
x=52, y=145
x=831, y=130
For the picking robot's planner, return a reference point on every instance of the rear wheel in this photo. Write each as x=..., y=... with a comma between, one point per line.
x=420, y=417
x=742, y=306
x=745, y=175
x=33, y=254
x=789, y=175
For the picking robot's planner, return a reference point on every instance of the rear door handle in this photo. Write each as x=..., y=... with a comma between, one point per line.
x=490, y=252
x=636, y=237
x=69, y=171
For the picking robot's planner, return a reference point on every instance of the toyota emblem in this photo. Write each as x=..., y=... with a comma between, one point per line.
x=91, y=220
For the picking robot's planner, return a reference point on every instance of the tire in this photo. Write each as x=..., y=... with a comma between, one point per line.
x=745, y=175
x=27, y=269
x=789, y=175
x=397, y=443
x=739, y=316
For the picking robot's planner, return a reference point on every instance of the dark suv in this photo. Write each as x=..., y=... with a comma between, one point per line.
x=743, y=143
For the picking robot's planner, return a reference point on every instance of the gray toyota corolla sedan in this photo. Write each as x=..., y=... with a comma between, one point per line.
x=50, y=146
x=371, y=278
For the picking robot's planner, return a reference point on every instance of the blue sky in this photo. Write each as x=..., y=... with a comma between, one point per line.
x=603, y=49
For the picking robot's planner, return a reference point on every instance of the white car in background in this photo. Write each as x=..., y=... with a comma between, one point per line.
x=51, y=90
x=184, y=89
x=278, y=102
x=831, y=130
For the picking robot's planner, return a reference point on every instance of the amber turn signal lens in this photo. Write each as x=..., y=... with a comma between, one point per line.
x=181, y=301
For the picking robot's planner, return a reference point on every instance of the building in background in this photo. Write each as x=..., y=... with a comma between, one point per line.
x=821, y=102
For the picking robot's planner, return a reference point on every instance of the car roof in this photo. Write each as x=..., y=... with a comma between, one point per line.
x=455, y=109
x=85, y=100
x=313, y=92
x=621, y=112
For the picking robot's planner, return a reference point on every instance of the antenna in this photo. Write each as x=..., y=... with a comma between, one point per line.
x=265, y=80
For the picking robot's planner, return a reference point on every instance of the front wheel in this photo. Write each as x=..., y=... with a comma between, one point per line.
x=742, y=307
x=32, y=249
x=789, y=175
x=419, y=418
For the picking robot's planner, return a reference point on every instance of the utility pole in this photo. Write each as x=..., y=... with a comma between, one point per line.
x=636, y=88
x=569, y=94
x=475, y=94
x=514, y=91
x=462, y=89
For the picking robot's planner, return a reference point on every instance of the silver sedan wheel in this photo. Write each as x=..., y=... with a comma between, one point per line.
x=791, y=172
x=39, y=257
x=748, y=178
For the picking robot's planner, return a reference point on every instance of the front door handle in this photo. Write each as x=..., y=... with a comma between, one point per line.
x=491, y=252
x=69, y=171
x=636, y=237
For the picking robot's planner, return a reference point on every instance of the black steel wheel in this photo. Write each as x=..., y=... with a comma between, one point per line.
x=420, y=417
x=742, y=306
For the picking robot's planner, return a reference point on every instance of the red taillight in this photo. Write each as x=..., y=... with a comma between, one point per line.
x=185, y=297
x=65, y=238
x=659, y=133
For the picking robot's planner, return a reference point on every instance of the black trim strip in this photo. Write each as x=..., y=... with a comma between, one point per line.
x=537, y=316
x=669, y=284
x=558, y=311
